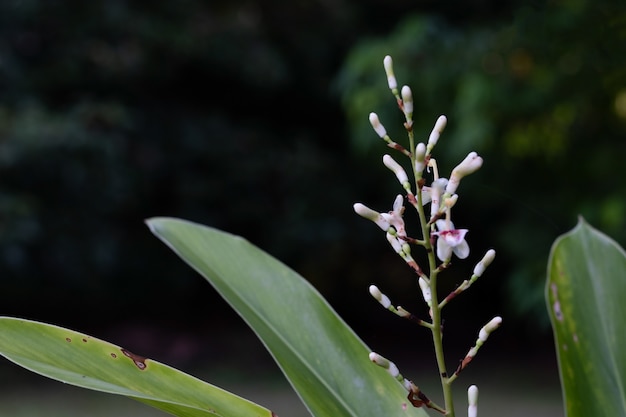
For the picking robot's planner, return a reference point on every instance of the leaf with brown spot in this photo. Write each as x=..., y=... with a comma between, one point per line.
x=47, y=350
x=585, y=297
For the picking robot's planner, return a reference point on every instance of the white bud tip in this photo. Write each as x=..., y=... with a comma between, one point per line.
x=472, y=400
x=420, y=155
x=398, y=203
x=488, y=328
x=420, y=151
x=378, y=127
x=407, y=100
x=471, y=163
x=494, y=324
x=375, y=292
x=441, y=123
x=472, y=395
x=489, y=257
x=369, y=214
x=480, y=267
x=388, y=63
x=395, y=168
x=379, y=360
x=379, y=296
x=391, y=78
x=364, y=211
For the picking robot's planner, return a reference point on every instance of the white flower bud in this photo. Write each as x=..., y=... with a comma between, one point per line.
x=385, y=363
x=391, y=78
x=472, y=400
x=480, y=267
x=420, y=155
x=436, y=189
x=378, y=127
x=493, y=324
x=379, y=296
x=369, y=214
x=425, y=291
x=407, y=101
x=470, y=164
x=379, y=360
x=398, y=204
x=436, y=132
x=396, y=169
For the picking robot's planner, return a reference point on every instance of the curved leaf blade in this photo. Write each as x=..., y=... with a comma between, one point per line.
x=325, y=362
x=585, y=296
x=87, y=362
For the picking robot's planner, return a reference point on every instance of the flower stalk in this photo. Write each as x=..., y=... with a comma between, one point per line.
x=439, y=238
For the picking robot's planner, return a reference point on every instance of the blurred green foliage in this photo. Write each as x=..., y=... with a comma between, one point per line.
x=252, y=117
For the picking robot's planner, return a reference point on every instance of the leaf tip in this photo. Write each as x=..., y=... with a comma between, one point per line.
x=154, y=223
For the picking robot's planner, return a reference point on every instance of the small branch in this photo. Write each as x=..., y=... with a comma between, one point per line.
x=484, y=333
x=418, y=399
x=398, y=147
x=479, y=269
x=412, y=317
x=411, y=240
x=401, y=312
x=464, y=285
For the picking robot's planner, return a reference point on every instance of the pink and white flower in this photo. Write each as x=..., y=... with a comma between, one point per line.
x=450, y=240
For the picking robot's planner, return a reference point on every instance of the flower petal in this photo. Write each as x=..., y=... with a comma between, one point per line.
x=444, y=251
x=461, y=250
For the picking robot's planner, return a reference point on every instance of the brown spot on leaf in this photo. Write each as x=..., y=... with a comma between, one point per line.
x=113, y=355
x=68, y=340
x=84, y=340
x=139, y=361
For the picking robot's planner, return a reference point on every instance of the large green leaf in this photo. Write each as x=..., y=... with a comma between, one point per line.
x=87, y=362
x=585, y=295
x=326, y=363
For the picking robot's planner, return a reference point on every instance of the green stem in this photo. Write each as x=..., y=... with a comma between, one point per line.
x=438, y=343
x=436, y=328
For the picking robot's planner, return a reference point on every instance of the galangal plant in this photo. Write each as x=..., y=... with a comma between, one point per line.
x=326, y=363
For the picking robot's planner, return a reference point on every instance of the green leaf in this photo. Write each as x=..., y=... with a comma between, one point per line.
x=87, y=362
x=325, y=362
x=585, y=295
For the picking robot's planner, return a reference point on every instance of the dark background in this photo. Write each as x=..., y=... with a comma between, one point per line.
x=252, y=117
